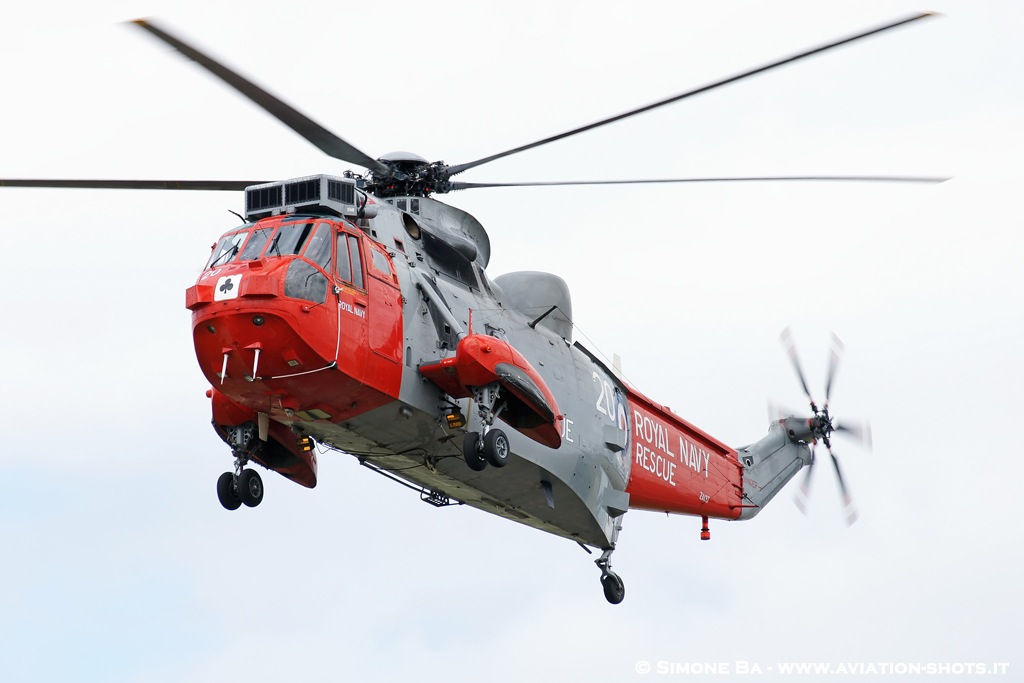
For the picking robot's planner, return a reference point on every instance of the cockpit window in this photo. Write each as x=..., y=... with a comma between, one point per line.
x=289, y=239
x=226, y=249
x=254, y=247
x=319, y=249
x=286, y=240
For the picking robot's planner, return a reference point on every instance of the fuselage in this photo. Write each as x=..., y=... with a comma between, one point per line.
x=317, y=325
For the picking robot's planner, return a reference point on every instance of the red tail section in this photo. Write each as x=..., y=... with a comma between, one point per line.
x=679, y=468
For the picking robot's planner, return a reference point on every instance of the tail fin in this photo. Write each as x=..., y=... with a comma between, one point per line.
x=769, y=464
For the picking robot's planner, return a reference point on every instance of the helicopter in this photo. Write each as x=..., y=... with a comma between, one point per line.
x=354, y=313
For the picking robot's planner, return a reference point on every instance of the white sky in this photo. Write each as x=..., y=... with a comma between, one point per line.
x=117, y=562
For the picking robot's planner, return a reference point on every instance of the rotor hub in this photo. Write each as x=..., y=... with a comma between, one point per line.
x=409, y=175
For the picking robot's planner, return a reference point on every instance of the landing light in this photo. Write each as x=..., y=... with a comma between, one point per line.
x=455, y=419
x=305, y=444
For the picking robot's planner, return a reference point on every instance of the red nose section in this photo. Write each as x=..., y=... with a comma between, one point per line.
x=297, y=361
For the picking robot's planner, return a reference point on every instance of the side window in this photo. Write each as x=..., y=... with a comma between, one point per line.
x=357, y=264
x=344, y=265
x=319, y=249
x=350, y=267
x=380, y=264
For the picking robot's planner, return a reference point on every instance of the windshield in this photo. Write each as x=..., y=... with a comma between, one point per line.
x=254, y=247
x=226, y=249
x=289, y=239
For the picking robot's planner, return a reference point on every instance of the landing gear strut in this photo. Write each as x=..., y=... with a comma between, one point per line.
x=614, y=588
x=493, y=446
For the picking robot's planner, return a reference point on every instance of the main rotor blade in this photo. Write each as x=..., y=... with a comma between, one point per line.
x=325, y=140
x=459, y=168
x=723, y=179
x=214, y=185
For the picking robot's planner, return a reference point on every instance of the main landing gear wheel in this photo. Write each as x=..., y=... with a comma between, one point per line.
x=493, y=449
x=472, y=452
x=226, y=493
x=250, y=488
x=496, y=448
x=614, y=589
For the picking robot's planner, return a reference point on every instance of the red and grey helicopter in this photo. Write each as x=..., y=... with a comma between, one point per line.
x=354, y=312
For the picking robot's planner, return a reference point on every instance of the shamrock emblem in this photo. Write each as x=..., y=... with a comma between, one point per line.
x=227, y=286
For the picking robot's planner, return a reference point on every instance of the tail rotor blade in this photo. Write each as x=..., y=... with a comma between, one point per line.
x=777, y=411
x=861, y=431
x=851, y=511
x=804, y=494
x=833, y=364
x=787, y=341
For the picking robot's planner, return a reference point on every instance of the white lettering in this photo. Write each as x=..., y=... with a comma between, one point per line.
x=744, y=667
x=348, y=308
x=567, y=429
x=656, y=464
x=697, y=668
x=697, y=459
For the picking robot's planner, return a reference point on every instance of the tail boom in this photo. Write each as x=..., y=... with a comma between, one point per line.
x=769, y=464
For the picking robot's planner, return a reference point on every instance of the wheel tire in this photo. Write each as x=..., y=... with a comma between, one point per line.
x=614, y=589
x=496, y=447
x=226, y=492
x=250, y=488
x=472, y=453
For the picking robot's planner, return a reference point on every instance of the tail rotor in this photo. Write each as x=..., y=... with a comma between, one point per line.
x=822, y=425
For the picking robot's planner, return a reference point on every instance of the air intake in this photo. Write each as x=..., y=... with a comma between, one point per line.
x=319, y=194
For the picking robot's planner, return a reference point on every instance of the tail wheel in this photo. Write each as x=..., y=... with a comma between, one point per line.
x=614, y=589
x=496, y=448
x=226, y=492
x=250, y=488
x=472, y=452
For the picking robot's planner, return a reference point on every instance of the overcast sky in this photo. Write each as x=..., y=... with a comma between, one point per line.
x=118, y=563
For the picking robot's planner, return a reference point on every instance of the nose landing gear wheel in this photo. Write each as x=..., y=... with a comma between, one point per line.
x=226, y=492
x=250, y=488
x=614, y=589
x=496, y=447
x=471, y=451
